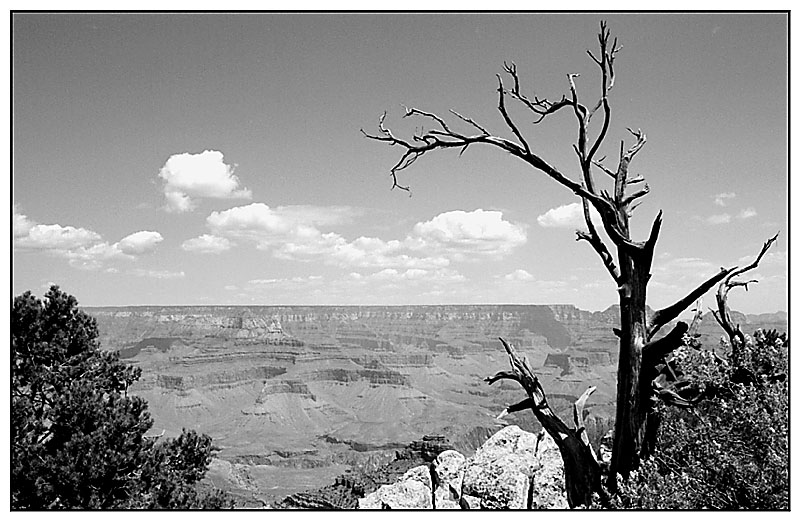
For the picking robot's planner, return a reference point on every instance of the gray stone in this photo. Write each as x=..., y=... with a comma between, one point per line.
x=548, y=481
x=499, y=473
x=412, y=491
x=449, y=470
x=513, y=468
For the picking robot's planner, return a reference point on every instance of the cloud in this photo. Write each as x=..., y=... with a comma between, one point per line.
x=412, y=275
x=157, y=274
x=207, y=244
x=292, y=280
x=463, y=234
x=747, y=213
x=139, y=242
x=84, y=249
x=22, y=225
x=723, y=198
x=31, y=236
x=722, y=218
x=519, y=275
x=199, y=176
x=567, y=216
x=293, y=233
x=94, y=257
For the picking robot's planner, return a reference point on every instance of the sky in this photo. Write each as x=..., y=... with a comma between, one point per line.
x=218, y=159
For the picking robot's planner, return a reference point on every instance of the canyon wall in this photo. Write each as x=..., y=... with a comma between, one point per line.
x=294, y=396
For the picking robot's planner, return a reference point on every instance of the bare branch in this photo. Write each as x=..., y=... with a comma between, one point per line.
x=577, y=409
x=671, y=397
x=665, y=315
x=656, y=350
x=440, y=121
x=650, y=243
x=581, y=468
x=470, y=121
x=437, y=139
x=501, y=106
x=632, y=197
x=724, y=317
x=541, y=107
x=697, y=318
x=502, y=375
x=624, y=162
x=594, y=240
x=606, y=64
x=602, y=167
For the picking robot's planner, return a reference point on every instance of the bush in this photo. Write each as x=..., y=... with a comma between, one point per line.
x=77, y=438
x=731, y=450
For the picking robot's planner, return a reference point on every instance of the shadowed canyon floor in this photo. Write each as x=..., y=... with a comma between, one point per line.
x=294, y=396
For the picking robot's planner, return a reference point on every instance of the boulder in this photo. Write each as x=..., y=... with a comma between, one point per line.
x=412, y=491
x=448, y=469
x=499, y=473
x=505, y=468
x=548, y=490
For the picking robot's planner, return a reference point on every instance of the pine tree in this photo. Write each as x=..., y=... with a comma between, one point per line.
x=77, y=437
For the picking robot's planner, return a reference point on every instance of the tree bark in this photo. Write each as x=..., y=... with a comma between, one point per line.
x=631, y=415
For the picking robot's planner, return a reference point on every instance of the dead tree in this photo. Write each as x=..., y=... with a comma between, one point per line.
x=581, y=467
x=639, y=350
x=723, y=313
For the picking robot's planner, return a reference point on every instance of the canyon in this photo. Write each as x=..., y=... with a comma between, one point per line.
x=295, y=396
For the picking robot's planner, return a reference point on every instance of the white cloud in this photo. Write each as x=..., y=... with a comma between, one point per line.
x=414, y=274
x=519, y=275
x=747, y=213
x=204, y=175
x=723, y=198
x=463, y=234
x=567, y=216
x=28, y=235
x=207, y=244
x=157, y=274
x=293, y=233
x=139, y=242
x=84, y=249
x=722, y=218
x=22, y=225
x=94, y=257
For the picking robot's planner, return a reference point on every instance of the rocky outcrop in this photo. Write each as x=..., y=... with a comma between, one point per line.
x=428, y=448
x=514, y=469
x=412, y=491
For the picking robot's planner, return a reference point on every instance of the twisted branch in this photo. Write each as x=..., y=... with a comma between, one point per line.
x=581, y=468
x=724, y=316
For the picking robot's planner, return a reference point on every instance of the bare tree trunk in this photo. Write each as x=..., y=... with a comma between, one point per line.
x=631, y=413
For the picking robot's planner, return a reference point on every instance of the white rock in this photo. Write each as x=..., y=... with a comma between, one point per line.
x=449, y=470
x=412, y=491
